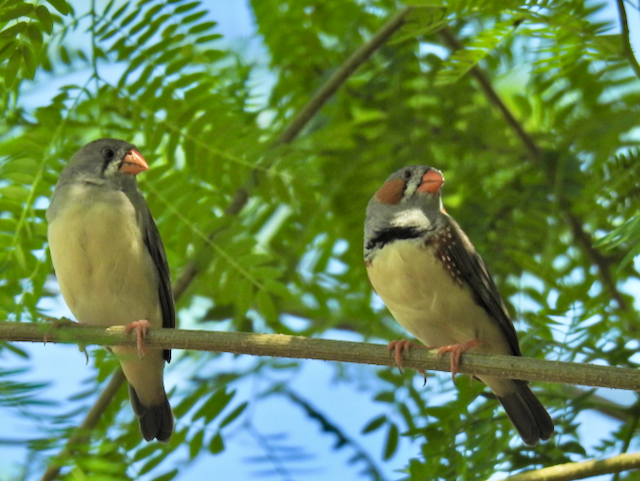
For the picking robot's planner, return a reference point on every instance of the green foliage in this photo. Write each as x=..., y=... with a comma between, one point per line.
x=558, y=227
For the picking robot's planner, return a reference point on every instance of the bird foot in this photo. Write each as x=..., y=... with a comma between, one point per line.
x=55, y=324
x=455, y=352
x=142, y=329
x=405, y=345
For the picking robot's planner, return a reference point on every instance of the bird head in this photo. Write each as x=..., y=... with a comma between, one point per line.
x=105, y=162
x=410, y=197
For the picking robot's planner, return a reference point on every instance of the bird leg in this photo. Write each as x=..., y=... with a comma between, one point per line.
x=405, y=345
x=142, y=329
x=55, y=324
x=455, y=351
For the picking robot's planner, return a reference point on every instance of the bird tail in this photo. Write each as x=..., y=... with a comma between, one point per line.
x=528, y=415
x=156, y=422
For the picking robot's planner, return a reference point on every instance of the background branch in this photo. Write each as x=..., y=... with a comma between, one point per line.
x=627, y=50
x=280, y=345
x=586, y=469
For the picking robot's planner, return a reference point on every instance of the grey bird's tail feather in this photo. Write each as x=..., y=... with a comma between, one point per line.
x=528, y=415
x=156, y=422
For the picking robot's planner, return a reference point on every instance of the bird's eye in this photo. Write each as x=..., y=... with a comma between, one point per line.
x=406, y=175
x=108, y=154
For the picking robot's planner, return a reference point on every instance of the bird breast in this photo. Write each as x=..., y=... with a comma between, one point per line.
x=104, y=269
x=428, y=300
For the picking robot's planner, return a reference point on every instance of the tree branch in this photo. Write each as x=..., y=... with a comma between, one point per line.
x=297, y=347
x=627, y=51
x=586, y=469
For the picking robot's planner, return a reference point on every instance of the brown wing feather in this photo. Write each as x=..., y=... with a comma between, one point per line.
x=473, y=270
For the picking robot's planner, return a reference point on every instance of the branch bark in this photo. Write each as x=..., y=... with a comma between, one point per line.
x=627, y=50
x=586, y=469
x=297, y=347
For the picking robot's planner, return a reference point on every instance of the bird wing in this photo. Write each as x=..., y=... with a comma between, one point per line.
x=473, y=269
x=154, y=245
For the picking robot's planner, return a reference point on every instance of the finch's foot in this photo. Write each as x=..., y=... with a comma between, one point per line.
x=142, y=329
x=55, y=324
x=455, y=351
x=405, y=345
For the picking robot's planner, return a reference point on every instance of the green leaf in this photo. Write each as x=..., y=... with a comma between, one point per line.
x=391, y=443
x=195, y=445
x=35, y=35
x=386, y=396
x=12, y=68
x=216, y=445
x=229, y=418
x=167, y=476
x=214, y=405
x=14, y=30
x=266, y=306
x=61, y=6
x=29, y=61
x=149, y=465
x=45, y=18
x=374, y=424
x=8, y=14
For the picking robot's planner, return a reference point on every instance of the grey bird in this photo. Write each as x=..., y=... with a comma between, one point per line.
x=435, y=284
x=111, y=266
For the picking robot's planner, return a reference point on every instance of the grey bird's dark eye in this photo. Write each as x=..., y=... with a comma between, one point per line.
x=406, y=175
x=108, y=154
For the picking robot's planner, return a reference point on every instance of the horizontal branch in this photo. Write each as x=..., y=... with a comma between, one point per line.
x=280, y=345
x=585, y=469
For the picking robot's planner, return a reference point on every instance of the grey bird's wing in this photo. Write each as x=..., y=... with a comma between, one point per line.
x=154, y=245
x=479, y=280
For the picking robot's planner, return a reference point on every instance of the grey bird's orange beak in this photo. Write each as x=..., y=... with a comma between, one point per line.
x=134, y=163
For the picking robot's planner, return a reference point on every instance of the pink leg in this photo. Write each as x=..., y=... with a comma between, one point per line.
x=142, y=329
x=405, y=345
x=455, y=351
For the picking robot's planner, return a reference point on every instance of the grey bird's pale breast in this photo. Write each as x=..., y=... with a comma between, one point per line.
x=426, y=300
x=106, y=274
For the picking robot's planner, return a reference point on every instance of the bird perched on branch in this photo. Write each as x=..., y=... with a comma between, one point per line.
x=435, y=284
x=111, y=266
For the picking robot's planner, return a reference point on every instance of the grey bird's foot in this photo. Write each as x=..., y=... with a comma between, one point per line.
x=455, y=352
x=142, y=329
x=55, y=324
x=405, y=345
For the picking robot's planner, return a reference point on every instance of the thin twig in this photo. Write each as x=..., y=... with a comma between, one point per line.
x=627, y=50
x=298, y=347
x=586, y=469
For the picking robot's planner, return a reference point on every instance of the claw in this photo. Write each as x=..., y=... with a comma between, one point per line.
x=455, y=352
x=405, y=345
x=55, y=324
x=142, y=329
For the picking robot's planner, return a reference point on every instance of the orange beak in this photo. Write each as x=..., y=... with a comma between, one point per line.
x=431, y=182
x=133, y=163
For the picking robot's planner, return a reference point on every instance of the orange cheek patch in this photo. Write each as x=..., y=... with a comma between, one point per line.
x=391, y=192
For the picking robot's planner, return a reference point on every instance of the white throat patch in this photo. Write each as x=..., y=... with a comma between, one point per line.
x=413, y=217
